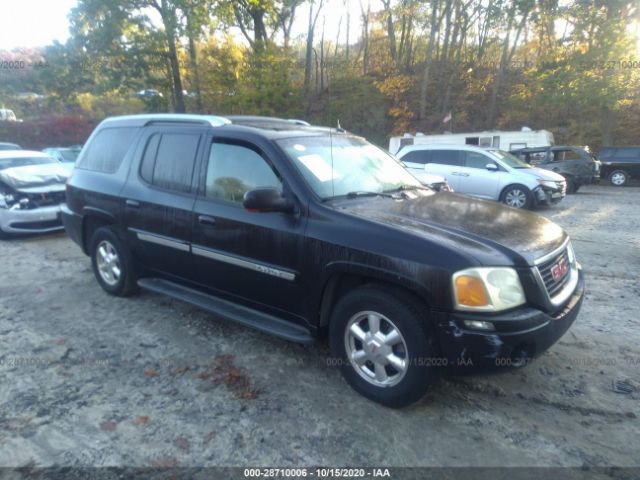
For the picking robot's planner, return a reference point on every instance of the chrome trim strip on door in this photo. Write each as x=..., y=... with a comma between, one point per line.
x=257, y=267
x=160, y=240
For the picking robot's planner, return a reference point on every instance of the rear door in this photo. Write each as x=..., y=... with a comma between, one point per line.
x=248, y=257
x=476, y=179
x=159, y=196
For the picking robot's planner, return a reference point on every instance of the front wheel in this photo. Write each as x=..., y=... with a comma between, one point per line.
x=380, y=340
x=618, y=178
x=516, y=196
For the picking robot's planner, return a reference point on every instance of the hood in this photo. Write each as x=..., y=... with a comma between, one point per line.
x=492, y=233
x=32, y=177
x=543, y=174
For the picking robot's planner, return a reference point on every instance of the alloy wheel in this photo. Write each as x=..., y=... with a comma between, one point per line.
x=618, y=178
x=108, y=263
x=516, y=198
x=376, y=349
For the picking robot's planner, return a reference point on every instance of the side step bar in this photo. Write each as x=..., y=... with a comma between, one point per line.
x=238, y=313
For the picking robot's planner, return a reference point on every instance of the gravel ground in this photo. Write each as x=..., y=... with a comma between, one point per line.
x=88, y=379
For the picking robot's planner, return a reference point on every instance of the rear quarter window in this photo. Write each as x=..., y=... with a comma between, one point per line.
x=107, y=150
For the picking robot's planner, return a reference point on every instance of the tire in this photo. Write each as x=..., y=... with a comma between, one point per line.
x=413, y=348
x=618, y=178
x=572, y=186
x=108, y=257
x=516, y=196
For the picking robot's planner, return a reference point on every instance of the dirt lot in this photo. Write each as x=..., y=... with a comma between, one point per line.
x=89, y=379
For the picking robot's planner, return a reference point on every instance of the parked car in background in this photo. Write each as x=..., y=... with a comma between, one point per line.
x=619, y=164
x=486, y=173
x=149, y=93
x=9, y=146
x=576, y=164
x=67, y=156
x=304, y=231
x=498, y=139
x=32, y=188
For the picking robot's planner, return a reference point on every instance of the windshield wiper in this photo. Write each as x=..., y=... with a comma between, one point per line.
x=364, y=193
x=405, y=188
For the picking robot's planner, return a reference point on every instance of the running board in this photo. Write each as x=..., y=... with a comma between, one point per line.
x=238, y=313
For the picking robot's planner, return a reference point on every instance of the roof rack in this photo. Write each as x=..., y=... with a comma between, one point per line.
x=159, y=118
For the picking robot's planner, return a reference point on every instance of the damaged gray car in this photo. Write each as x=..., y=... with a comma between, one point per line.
x=32, y=188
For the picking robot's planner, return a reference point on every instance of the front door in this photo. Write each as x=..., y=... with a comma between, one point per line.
x=477, y=180
x=249, y=257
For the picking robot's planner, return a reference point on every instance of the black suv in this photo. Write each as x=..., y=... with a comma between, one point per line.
x=619, y=164
x=576, y=164
x=299, y=230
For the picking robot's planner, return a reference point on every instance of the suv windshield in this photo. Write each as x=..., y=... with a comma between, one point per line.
x=509, y=159
x=340, y=166
x=24, y=161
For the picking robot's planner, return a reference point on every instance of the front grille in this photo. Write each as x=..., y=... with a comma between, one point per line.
x=552, y=285
x=38, y=200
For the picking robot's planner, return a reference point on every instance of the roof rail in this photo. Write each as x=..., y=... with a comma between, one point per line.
x=159, y=118
x=212, y=120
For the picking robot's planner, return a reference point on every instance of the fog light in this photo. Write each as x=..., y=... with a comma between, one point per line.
x=478, y=325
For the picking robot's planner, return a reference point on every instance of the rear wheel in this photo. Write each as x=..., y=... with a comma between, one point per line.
x=111, y=262
x=379, y=338
x=618, y=178
x=516, y=196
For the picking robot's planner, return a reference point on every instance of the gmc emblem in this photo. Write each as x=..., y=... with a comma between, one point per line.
x=559, y=270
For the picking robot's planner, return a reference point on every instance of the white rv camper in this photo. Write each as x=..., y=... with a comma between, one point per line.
x=492, y=139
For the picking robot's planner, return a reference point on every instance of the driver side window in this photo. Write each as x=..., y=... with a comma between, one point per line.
x=234, y=169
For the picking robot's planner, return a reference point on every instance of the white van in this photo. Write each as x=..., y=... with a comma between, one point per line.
x=507, y=141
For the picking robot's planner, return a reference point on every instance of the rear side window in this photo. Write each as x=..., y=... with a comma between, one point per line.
x=563, y=155
x=447, y=157
x=168, y=160
x=628, y=153
x=234, y=169
x=106, y=151
x=417, y=156
x=606, y=152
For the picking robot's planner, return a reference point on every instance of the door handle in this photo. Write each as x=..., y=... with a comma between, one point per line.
x=132, y=204
x=206, y=220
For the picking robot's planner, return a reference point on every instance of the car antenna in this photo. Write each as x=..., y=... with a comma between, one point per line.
x=333, y=189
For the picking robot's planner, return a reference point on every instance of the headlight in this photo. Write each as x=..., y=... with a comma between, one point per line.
x=487, y=289
x=548, y=183
x=5, y=200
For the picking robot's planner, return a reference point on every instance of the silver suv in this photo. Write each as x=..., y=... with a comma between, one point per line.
x=486, y=173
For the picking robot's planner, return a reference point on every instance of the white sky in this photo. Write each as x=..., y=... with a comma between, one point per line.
x=33, y=23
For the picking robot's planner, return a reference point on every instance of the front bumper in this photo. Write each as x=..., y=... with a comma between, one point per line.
x=548, y=196
x=519, y=335
x=36, y=220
